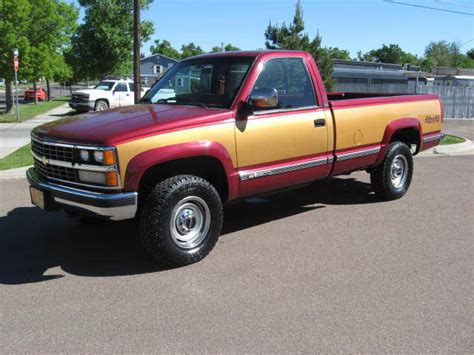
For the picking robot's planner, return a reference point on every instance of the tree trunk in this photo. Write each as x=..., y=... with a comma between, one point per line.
x=48, y=88
x=34, y=93
x=9, y=96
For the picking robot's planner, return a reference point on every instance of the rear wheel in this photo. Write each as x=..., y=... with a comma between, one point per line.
x=101, y=105
x=392, y=178
x=181, y=220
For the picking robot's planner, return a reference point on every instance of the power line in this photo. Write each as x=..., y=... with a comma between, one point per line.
x=452, y=3
x=462, y=45
x=428, y=7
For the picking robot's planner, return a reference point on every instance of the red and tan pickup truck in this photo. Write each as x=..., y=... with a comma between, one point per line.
x=217, y=128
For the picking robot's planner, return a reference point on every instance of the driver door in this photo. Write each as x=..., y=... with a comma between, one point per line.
x=122, y=95
x=288, y=144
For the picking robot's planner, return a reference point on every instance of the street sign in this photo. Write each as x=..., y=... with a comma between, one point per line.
x=16, y=63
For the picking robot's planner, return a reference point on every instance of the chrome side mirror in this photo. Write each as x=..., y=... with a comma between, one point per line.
x=264, y=98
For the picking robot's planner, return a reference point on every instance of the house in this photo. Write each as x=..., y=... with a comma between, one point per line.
x=358, y=76
x=453, y=77
x=154, y=66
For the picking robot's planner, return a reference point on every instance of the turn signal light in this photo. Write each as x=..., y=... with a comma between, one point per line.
x=111, y=178
x=109, y=157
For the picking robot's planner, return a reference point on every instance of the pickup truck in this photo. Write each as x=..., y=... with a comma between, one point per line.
x=239, y=124
x=106, y=94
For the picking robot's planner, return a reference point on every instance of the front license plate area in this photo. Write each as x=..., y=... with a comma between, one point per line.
x=37, y=198
x=42, y=199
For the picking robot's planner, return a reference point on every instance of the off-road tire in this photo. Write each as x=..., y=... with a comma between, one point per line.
x=381, y=176
x=101, y=105
x=156, y=217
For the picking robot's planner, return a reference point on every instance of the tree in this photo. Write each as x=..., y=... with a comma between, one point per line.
x=293, y=37
x=40, y=30
x=337, y=53
x=438, y=54
x=164, y=47
x=470, y=53
x=103, y=44
x=14, y=22
x=190, y=49
x=389, y=54
x=228, y=48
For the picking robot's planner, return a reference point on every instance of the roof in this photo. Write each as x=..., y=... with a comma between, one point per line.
x=254, y=53
x=161, y=55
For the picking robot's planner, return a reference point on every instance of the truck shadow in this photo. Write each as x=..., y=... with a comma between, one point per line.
x=33, y=242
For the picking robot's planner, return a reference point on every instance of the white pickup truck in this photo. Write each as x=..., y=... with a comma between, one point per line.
x=105, y=95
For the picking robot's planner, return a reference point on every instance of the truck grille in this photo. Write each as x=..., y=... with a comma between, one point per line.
x=54, y=152
x=44, y=155
x=55, y=172
x=79, y=98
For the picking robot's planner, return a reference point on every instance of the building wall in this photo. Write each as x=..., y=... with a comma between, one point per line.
x=149, y=66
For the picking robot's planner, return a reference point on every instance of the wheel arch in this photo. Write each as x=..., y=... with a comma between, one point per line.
x=407, y=130
x=102, y=99
x=209, y=160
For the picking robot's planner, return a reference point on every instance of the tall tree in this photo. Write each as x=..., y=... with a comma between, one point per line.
x=438, y=54
x=227, y=48
x=190, y=49
x=293, y=37
x=164, y=47
x=14, y=24
x=470, y=53
x=103, y=43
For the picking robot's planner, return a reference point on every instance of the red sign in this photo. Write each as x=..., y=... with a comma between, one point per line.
x=16, y=63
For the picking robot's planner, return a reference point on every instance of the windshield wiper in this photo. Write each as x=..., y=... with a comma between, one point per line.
x=185, y=99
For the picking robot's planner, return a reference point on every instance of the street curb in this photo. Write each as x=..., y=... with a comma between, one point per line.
x=454, y=148
x=18, y=173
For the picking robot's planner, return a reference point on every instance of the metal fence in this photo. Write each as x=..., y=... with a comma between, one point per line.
x=458, y=101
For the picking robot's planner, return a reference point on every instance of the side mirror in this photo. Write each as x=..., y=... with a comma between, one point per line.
x=264, y=98
x=244, y=110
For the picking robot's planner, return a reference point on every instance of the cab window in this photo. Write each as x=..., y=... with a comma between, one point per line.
x=121, y=87
x=290, y=79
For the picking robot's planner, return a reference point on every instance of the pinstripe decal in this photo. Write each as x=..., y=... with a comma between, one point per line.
x=432, y=138
x=247, y=175
x=357, y=154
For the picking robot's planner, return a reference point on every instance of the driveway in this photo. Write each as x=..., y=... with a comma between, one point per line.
x=326, y=268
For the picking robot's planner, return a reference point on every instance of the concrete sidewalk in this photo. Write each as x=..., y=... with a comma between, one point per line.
x=16, y=135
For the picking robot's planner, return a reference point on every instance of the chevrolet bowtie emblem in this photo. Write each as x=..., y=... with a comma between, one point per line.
x=45, y=160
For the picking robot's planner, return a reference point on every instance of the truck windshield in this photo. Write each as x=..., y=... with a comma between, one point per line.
x=105, y=85
x=206, y=82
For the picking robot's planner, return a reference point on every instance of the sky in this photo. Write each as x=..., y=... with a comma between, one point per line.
x=354, y=25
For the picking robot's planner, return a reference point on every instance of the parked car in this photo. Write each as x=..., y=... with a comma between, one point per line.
x=41, y=94
x=105, y=95
x=239, y=124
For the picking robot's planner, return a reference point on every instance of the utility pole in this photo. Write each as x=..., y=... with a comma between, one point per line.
x=136, y=49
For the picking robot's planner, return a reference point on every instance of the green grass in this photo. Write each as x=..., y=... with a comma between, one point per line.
x=31, y=110
x=449, y=139
x=20, y=157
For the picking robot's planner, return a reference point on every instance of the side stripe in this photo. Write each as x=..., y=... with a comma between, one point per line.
x=357, y=154
x=432, y=138
x=247, y=175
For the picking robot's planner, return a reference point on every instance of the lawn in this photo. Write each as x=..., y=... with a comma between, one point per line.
x=20, y=157
x=30, y=110
x=449, y=139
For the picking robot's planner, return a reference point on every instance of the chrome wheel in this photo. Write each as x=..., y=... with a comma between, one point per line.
x=399, y=171
x=190, y=222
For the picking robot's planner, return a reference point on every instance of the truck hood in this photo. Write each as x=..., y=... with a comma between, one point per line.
x=114, y=126
x=89, y=91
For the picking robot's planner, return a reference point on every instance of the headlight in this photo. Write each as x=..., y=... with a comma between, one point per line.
x=101, y=157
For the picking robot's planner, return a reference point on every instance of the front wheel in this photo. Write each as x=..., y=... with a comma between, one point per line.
x=181, y=220
x=392, y=178
x=101, y=105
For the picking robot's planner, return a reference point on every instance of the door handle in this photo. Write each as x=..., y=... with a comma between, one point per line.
x=320, y=122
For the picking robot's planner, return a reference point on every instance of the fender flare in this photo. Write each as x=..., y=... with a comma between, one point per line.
x=145, y=160
x=392, y=128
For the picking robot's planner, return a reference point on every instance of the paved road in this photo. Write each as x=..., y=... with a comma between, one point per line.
x=323, y=269
x=463, y=128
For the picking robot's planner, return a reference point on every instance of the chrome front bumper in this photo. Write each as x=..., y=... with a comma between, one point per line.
x=115, y=206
